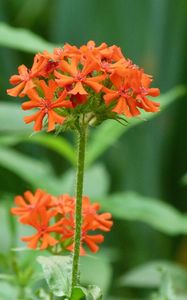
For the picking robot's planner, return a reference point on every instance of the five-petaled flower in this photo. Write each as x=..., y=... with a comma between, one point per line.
x=40, y=220
x=46, y=105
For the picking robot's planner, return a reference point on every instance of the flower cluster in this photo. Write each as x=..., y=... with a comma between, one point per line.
x=53, y=218
x=94, y=82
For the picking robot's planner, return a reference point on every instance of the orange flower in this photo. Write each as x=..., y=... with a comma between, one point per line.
x=76, y=78
x=130, y=93
x=71, y=51
x=92, y=218
x=91, y=241
x=90, y=49
x=109, y=67
x=63, y=204
x=49, y=215
x=30, y=203
x=91, y=221
x=24, y=81
x=92, y=80
x=40, y=221
x=46, y=105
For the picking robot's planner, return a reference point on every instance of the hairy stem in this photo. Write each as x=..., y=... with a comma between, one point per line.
x=78, y=213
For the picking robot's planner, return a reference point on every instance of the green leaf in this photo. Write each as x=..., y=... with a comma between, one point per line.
x=158, y=214
x=11, y=118
x=7, y=278
x=29, y=169
x=39, y=174
x=41, y=294
x=8, y=291
x=166, y=291
x=78, y=293
x=56, y=143
x=148, y=275
x=92, y=292
x=11, y=123
x=57, y=272
x=107, y=134
x=22, y=39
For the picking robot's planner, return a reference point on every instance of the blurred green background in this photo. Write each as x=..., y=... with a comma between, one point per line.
x=137, y=172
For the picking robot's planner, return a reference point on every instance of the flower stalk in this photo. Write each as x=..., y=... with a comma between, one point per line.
x=81, y=133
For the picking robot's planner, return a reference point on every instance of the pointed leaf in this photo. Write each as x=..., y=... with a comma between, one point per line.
x=56, y=143
x=57, y=272
x=22, y=39
x=30, y=169
x=158, y=214
x=148, y=275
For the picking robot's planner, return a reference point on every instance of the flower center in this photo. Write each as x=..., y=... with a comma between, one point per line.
x=79, y=76
x=104, y=65
x=125, y=92
x=42, y=229
x=46, y=105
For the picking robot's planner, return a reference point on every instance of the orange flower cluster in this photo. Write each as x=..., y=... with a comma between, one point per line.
x=53, y=218
x=90, y=79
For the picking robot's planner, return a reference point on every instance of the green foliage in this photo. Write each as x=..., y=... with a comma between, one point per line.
x=103, y=137
x=11, y=37
x=148, y=275
x=58, y=144
x=109, y=132
x=159, y=47
x=57, y=272
x=134, y=207
x=78, y=293
x=7, y=291
x=91, y=293
x=166, y=291
x=27, y=168
x=169, y=278
x=11, y=119
x=94, y=293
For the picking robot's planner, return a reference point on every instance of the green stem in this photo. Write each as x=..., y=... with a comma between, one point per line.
x=78, y=213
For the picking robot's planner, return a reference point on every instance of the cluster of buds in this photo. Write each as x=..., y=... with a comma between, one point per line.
x=53, y=219
x=89, y=83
